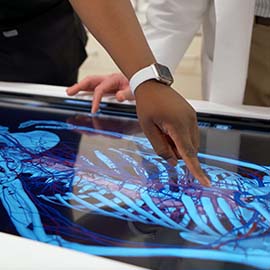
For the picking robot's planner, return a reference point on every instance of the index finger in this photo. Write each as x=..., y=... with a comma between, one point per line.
x=87, y=84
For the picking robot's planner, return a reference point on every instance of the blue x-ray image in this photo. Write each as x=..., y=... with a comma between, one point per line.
x=107, y=193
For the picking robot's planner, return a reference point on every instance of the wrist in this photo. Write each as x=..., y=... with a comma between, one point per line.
x=155, y=72
x=150, y=84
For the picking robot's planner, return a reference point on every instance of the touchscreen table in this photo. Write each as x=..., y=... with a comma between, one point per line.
x=95, y=185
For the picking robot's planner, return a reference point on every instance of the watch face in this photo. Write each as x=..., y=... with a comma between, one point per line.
x=164, y=74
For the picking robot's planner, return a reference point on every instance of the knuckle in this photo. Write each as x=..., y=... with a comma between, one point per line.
x=99, y=91
x=114, y=75
x=88, y=79
x=193, y=117
x=190, y=152
x=164, y=153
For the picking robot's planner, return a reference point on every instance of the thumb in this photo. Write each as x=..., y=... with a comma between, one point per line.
x=124, y=94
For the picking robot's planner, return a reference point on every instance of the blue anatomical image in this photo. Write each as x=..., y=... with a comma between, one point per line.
x=49, y=182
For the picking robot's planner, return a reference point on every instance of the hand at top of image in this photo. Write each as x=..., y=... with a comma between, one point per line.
x=101, y=85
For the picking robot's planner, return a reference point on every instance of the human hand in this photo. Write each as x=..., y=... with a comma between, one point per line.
x=170, y=124
x=115, y=83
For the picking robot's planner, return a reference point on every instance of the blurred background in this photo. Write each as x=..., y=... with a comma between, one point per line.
x=188, y=73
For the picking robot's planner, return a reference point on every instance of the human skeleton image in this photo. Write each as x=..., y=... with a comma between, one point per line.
x=45, y=176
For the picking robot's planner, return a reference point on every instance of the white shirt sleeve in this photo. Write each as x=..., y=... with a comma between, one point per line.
x=171, y=26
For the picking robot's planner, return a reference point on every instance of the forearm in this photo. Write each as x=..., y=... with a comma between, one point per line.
x=115, y=26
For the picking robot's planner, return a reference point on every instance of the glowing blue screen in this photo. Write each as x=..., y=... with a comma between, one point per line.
x=95, y=185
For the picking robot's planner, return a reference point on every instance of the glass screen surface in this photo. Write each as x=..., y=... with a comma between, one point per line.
x=95, y=185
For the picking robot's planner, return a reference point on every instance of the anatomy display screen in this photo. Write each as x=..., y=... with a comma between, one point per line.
x=94, y=184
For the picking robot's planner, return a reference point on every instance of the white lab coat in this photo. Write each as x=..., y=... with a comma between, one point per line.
x=227, y=28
